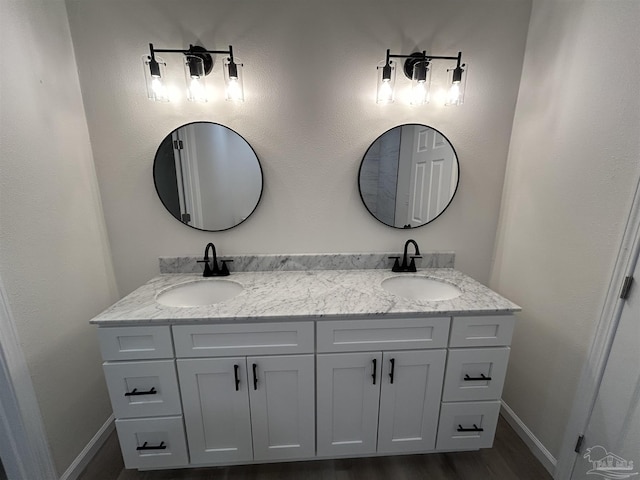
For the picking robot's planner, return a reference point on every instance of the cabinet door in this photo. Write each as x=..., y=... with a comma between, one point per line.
x=282, y=406
x=410, y=400
x=216, y=409
x=348, y=392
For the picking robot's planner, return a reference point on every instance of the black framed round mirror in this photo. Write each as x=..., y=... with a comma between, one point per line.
x=207, y=176
x=409, y=176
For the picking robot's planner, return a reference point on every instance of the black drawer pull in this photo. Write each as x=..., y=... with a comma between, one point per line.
x=144, y=446
x=393, y=369
x=135, y=392
x=474, y=429
x=482, y=376
x=255, y=376
x=235, y=373
x=373, y=375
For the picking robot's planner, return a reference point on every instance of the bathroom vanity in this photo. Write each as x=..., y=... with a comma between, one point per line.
x=300, y=365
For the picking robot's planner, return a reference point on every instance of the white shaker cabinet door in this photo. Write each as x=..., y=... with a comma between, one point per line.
x=410, y=400
x=216, y=409
x=281, y=393
x=348, y=392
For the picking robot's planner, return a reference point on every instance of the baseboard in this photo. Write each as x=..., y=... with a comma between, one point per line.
x=543, y=455
x=88, y=452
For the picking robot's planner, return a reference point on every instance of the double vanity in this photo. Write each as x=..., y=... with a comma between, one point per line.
x=300, y=364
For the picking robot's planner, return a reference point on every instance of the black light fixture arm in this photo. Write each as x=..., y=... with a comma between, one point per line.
x=193, y=51
x=416, y=57
x=424, y=56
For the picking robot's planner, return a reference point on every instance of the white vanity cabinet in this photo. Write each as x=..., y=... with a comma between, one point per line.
x=384, y=401
x=247, y=407
x=233, y=393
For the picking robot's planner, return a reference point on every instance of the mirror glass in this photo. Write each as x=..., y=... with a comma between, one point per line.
x=408, y=176
x=207, y=176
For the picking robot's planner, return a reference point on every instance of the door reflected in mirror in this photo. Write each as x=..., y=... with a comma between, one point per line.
x=207, y=176
x=408, y=176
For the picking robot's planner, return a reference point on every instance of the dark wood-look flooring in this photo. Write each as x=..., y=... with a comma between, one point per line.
x=509, y=459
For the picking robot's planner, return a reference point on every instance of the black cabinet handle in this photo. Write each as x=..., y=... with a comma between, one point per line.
x=255, y=376
x=482, y=376
x=144, y=446
x=375, y=365
x=474, y=429
x=393, y=368
x=135, y=392
x=235, y=374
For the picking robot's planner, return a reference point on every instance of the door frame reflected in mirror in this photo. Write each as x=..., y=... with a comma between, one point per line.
x=212, y=191
x=409, y=176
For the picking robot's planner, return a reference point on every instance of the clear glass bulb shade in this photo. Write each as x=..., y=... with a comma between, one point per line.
x=420, y=83
x=386, y=82
x=154, y=75
x=195, y=77
x=457, y=83
x=233, y=80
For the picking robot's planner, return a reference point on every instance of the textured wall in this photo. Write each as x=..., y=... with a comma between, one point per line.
x=54, y=257
x=309, y=114
x=572, y=170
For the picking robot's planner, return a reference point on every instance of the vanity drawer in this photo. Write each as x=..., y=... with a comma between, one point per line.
x=467, y=425
x=475, y=374
x=487, y=331
x=135, y=343
x=166, y=445
x=243, y=339
x=143, y=389
x=386, y=334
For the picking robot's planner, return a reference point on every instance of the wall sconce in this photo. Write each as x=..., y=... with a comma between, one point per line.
x=198, y=63
x=417, y=68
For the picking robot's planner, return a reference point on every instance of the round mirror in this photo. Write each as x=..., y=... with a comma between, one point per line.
x=408, y=176
x=207, y=176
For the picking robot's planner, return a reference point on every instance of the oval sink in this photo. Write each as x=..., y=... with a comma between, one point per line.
x=200, y=292
x=420, y=288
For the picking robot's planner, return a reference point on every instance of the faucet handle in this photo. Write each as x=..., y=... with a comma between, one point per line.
x=396, y=265
x=207, y=268
x=224, y=270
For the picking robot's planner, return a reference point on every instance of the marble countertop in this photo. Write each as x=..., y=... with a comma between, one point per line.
x=312, y=294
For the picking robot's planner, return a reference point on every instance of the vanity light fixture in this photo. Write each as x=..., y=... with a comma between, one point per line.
x=417, y=68
x=198, y=63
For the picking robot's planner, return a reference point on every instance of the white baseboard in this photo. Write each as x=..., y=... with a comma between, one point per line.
x=88, y=452
x=537, y=448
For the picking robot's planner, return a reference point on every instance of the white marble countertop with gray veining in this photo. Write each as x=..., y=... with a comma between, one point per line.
x=311, y=295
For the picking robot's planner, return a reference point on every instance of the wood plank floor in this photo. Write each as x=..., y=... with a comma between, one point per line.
x=509, y=459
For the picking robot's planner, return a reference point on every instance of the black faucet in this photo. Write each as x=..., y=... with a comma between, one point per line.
x=216, y=271
x=406, y=266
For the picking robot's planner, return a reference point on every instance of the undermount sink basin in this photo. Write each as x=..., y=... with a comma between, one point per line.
x=200, y=292
x=420, y=288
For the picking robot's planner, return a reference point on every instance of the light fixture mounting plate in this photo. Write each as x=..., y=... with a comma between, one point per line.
x=201, y=52
x=410, y=63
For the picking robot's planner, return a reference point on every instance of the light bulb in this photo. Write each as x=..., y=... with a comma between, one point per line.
x=196, y=90
x=454, y=94
x=234, y=91
x=157, y=87
x=385, y=94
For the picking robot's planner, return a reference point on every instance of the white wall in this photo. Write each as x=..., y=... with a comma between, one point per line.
x=54, y=257
x=309, y=114
x=573, y=166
